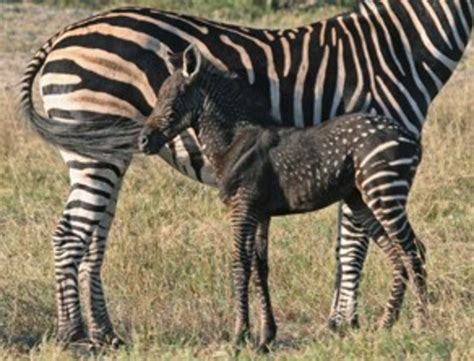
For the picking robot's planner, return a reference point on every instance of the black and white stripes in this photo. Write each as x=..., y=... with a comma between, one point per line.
x=390, y=57
x=100, y=76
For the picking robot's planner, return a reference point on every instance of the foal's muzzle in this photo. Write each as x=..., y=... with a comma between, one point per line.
x=150, y=141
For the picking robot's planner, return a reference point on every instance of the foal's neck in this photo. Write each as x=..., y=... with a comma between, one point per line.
x=227, y=109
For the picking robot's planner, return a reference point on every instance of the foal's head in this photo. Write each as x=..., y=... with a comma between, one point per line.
x=181, y=99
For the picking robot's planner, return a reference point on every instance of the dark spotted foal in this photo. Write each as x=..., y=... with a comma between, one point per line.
x=263, y=171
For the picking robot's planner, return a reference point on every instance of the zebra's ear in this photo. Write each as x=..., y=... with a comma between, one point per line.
x=192, y=61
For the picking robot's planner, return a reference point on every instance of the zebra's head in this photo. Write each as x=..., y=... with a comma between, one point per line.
x=179, y=103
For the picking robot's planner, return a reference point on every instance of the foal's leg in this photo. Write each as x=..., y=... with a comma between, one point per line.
x=268, y=326
x=244, y=227
x=92, y=184
x=352, y=246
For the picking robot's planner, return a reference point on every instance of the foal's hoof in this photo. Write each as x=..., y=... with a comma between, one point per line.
x=263, y=348
x=241, y=341
x=267, y=336
x=242, y=338
x=116, y=342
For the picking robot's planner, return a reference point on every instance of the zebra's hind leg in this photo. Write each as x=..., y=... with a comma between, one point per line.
x=396, y=225
x=365, y=217
x=387, y=203
x=352, y=246
x=268, y=327
x=92, y=293
x=69, y=244
x=93, y=188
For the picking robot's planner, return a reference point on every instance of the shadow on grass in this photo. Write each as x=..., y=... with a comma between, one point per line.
x=26, y=315
x=22, y=342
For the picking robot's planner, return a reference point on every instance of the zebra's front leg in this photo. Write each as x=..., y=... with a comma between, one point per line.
x=98, y=321
x=268, y=327
x=351, y=251
x=244, y=227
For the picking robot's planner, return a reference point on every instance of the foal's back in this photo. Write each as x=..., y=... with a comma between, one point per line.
x=288, y=170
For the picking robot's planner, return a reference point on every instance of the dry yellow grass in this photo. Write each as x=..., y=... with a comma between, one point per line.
x=167, y=268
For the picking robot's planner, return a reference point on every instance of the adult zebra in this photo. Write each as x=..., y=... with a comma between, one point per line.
x=389, y=57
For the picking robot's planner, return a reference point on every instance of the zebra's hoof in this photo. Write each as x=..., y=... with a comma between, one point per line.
x=107, y=340
x=74, y=334
x=335, y=323
x=338, y=325
x=387, y=321
x=355, y=325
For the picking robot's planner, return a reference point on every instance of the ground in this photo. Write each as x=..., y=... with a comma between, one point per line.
x=167, y=272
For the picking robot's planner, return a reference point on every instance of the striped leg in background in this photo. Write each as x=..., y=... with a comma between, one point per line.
x=93, y=188
x=268, y=327
x=350, y=255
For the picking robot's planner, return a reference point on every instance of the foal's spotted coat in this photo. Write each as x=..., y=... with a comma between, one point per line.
x=367, y=161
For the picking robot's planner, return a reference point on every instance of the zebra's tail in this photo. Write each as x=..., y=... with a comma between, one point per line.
x=100, y=139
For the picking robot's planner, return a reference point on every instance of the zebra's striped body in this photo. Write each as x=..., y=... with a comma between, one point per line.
x=263, y=170
x=391, y=58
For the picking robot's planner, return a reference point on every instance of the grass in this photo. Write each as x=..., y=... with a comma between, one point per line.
x=167, y=271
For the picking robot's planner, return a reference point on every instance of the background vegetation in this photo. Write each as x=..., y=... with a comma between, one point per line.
x=273, y=4
x=167, y=271
x=251, y=8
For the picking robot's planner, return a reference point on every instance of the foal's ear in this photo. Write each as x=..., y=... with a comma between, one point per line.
x=174, y=61
x=192, y=61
